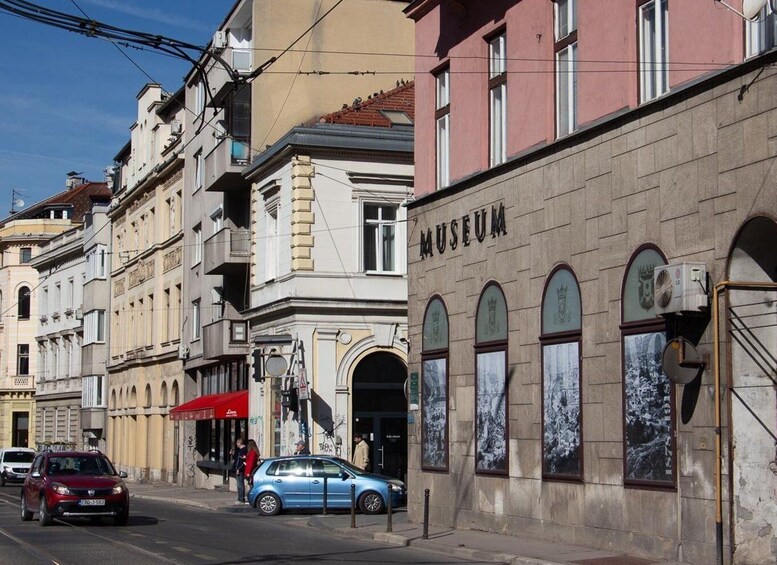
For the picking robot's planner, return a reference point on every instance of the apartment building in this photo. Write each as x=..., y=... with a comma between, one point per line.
x=579, y=164
x=238, y=111
x=61, y=268
x=329, y=232
x=146, y=281
x=21, y=237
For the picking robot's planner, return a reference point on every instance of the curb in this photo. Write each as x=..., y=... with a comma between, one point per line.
x=178, y=501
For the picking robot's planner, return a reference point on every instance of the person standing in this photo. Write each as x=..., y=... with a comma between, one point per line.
x=239, y=466
x=300, y=448
x=252, y=461
x=361, y=452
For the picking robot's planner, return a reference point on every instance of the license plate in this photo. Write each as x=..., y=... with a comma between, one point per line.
x=92, y=502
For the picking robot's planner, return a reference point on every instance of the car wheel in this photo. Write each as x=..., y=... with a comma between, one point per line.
x=371, y=503
x=121, y=519
x=26, y=514
x=44, y=518
x=268, y=504
x=2, y=479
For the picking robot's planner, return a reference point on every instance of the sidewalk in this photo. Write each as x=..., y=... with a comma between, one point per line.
x=469, y=545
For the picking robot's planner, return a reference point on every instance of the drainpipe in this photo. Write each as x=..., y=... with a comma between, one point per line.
x=718, y=288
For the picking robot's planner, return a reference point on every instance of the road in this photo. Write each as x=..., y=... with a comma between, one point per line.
x=159, y=533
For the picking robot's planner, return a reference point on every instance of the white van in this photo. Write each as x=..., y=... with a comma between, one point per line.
x=14, y=464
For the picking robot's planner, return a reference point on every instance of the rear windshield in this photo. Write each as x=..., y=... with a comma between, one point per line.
x=19, y=456
x=80, y=465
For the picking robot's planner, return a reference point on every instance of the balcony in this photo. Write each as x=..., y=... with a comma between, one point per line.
x=18, y=382
x=225, y=338
x=226, y=251
x=224, y=164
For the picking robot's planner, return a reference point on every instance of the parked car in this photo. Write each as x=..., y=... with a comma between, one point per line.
x=68, y=484
x=298, y=482
x=14, y=464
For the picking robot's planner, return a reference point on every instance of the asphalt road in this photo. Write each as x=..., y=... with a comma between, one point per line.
x=173, y=534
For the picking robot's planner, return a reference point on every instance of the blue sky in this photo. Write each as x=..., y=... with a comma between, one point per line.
x=68, y=100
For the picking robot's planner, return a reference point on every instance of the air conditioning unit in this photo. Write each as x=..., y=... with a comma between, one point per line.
x=183, y=352
x=219, y=42
x=680, y=288
x=176, y=127
x=79, y=314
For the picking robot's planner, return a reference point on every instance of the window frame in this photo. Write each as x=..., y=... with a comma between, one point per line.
x=550, y=339
x=22, y=356
x=196, y=319
x=760, y=36
x=567, y=83
x=497, y=88
x=379, y=225
x=442, y=117
x=94, y=327
x=658, y=83
x=23, y=302
x=642, y=327
x=431, y=355
x=25, y=255
x=482, y=348
x=198, y=245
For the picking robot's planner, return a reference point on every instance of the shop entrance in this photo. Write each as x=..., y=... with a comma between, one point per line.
x=380, y=412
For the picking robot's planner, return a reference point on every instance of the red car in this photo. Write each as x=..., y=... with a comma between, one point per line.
x=74, y=484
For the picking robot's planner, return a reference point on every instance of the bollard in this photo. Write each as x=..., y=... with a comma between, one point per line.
x=389, y=525
x=353, y=506
x=426, y=514
x=325, y=489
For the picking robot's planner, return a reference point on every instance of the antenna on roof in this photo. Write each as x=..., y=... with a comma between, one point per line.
x=16, y=202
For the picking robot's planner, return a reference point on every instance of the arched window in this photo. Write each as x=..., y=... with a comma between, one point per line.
x=176, y=399
x=491, y=421
x=562, y=417
x=434, y=391
x=23, y=303
x=148, y=396
x=163, y=396
x=648, y=395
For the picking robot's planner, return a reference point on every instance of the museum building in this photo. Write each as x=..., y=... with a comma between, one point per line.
x=592, y=277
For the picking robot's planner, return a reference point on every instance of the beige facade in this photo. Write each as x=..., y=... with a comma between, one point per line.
x=145, y=291
x=20, y=241
x=691, y=178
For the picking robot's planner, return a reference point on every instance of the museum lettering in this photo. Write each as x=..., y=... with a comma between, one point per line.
x=460, y=231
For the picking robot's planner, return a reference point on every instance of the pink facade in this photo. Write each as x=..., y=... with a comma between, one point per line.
x=703, y=37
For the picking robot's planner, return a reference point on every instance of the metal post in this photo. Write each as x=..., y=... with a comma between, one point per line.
x=325, y=493
x=426, y=513
x=389, y=525
x=353, y=506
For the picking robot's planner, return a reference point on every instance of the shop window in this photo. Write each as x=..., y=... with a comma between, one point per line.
x=648, y=395
x=562, y=420
x=491, y=386
x=434, y=387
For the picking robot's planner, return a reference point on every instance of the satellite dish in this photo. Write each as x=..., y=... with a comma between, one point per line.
x=751, y=8
x=18, y=203
x=681, y=362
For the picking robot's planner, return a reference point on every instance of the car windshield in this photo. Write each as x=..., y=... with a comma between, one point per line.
x=351, y=468
x=79, y=465
x=19, y=456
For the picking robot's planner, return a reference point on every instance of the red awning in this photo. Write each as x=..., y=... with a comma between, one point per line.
x=225, y=406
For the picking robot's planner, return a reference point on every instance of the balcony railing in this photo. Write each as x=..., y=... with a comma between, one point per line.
x=227, y=250
x=223, y=165
x=18, y=382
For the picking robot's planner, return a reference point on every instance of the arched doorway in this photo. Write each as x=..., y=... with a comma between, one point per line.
x=752, y=338
x=379, y=411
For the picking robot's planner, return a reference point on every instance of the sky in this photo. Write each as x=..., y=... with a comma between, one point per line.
x=67, y=101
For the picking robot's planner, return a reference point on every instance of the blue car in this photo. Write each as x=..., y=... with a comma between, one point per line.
x=298, y=482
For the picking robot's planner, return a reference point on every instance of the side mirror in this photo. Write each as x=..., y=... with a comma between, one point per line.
x=343, y=475
x=123, y=474
x=35, y=474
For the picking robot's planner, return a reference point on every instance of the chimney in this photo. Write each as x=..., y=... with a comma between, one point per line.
x=73, y=180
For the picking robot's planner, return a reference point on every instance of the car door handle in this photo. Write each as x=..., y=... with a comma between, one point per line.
x=315, y=482
x=278, y=480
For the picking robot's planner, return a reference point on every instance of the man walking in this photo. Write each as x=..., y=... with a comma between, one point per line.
x=361, y=452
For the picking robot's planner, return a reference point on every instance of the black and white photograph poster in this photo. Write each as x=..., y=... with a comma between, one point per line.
x=491, y=413
x=648, y=391
x=561, y=403
x=434, y=404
